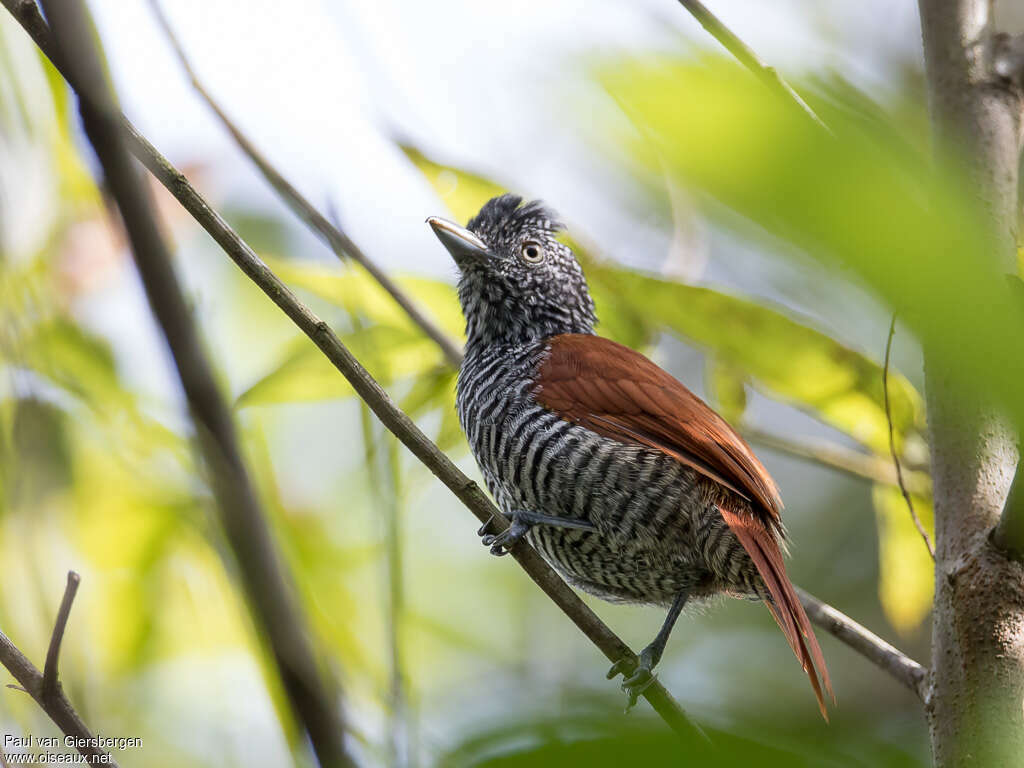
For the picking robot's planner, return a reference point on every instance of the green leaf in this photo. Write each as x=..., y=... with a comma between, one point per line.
x=354, y=290
x=435, y=391
x=77, y=186
x=75, y=360
x=727, y=387
x=906, y=571
x=914, y=231
x=304, y=375
x=788, y=359
x=463, y=192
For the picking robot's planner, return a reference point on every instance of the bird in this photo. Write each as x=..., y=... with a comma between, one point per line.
x=624, y=481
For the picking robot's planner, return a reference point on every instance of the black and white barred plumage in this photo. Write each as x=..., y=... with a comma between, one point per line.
x=658, y=528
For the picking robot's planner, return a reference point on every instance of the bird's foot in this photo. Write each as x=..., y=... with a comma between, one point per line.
x=501, y=543
x=637, y=676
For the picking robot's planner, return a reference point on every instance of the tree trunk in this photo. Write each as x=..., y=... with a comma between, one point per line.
x=975, y=705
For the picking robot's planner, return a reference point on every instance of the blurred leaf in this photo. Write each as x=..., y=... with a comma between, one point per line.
x=443, y=301
x=596, y=741
x=76, y=361
x=727, y=387
x=389, y=353
x=77, y=187
x=906, y=571
x=42, y=456
x=435, y=392
x=266, y=233
x=787, y=358
x=463, y=192
x=914, y=231
x=435, y=388
x=361, y=296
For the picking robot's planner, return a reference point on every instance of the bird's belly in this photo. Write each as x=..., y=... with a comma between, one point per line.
x=647, y=509
x=630, y=574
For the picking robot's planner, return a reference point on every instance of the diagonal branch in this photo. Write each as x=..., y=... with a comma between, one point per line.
x=396, y=420
x=337, y=241
x=314, y=701
x=1009, y=533
x=867, y=644
x=45, y=688
x=834, y=456
x=892, y=445
x=743, y=53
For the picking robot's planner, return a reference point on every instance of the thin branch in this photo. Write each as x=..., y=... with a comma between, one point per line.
x=837, y=457
x=743, y=53
x=867, y=644
x=1008, y=58
x=51, y=685
x=333, y=236
x=389, y=414
x=892, y=443
x=50, y=697
x=1009, y=533
x=314, y=702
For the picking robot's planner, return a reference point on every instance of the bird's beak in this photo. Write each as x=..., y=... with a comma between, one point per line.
x=462, y=244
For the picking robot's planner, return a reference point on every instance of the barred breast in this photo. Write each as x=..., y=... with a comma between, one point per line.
x=658, y=528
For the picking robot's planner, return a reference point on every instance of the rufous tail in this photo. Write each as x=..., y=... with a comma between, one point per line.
x=760, y=543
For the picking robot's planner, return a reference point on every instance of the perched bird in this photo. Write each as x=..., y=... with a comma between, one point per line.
x=621, y=478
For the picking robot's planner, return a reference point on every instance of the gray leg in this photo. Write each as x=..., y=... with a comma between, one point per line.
x=522, y=521
x=642, y=677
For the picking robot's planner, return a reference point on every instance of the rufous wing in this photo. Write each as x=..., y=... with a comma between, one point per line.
x=620, y=394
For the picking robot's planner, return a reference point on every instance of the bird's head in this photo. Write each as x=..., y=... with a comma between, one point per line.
x=518, y=283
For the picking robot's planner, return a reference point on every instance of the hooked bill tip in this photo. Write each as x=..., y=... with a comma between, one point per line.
x=460, y=242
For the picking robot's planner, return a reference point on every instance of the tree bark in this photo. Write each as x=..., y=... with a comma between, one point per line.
x=975, y=704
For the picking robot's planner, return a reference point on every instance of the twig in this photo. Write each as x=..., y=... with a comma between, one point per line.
x=867, y=644
x=378, y=400
x=1008, y=58
x=839, y=458
x=336, y=239
x=51, y=698
x=766, y=74
x=892, y=443
x=1009, y=533
x=399, y=726
x=314, y=702
x=50, y=683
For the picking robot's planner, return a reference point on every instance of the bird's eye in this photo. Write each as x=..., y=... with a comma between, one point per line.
x=532, y=252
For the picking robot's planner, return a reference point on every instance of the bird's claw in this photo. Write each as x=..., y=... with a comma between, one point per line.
x=637, y=678
x=636, y=684
x=502, y=543
x=621, y=667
